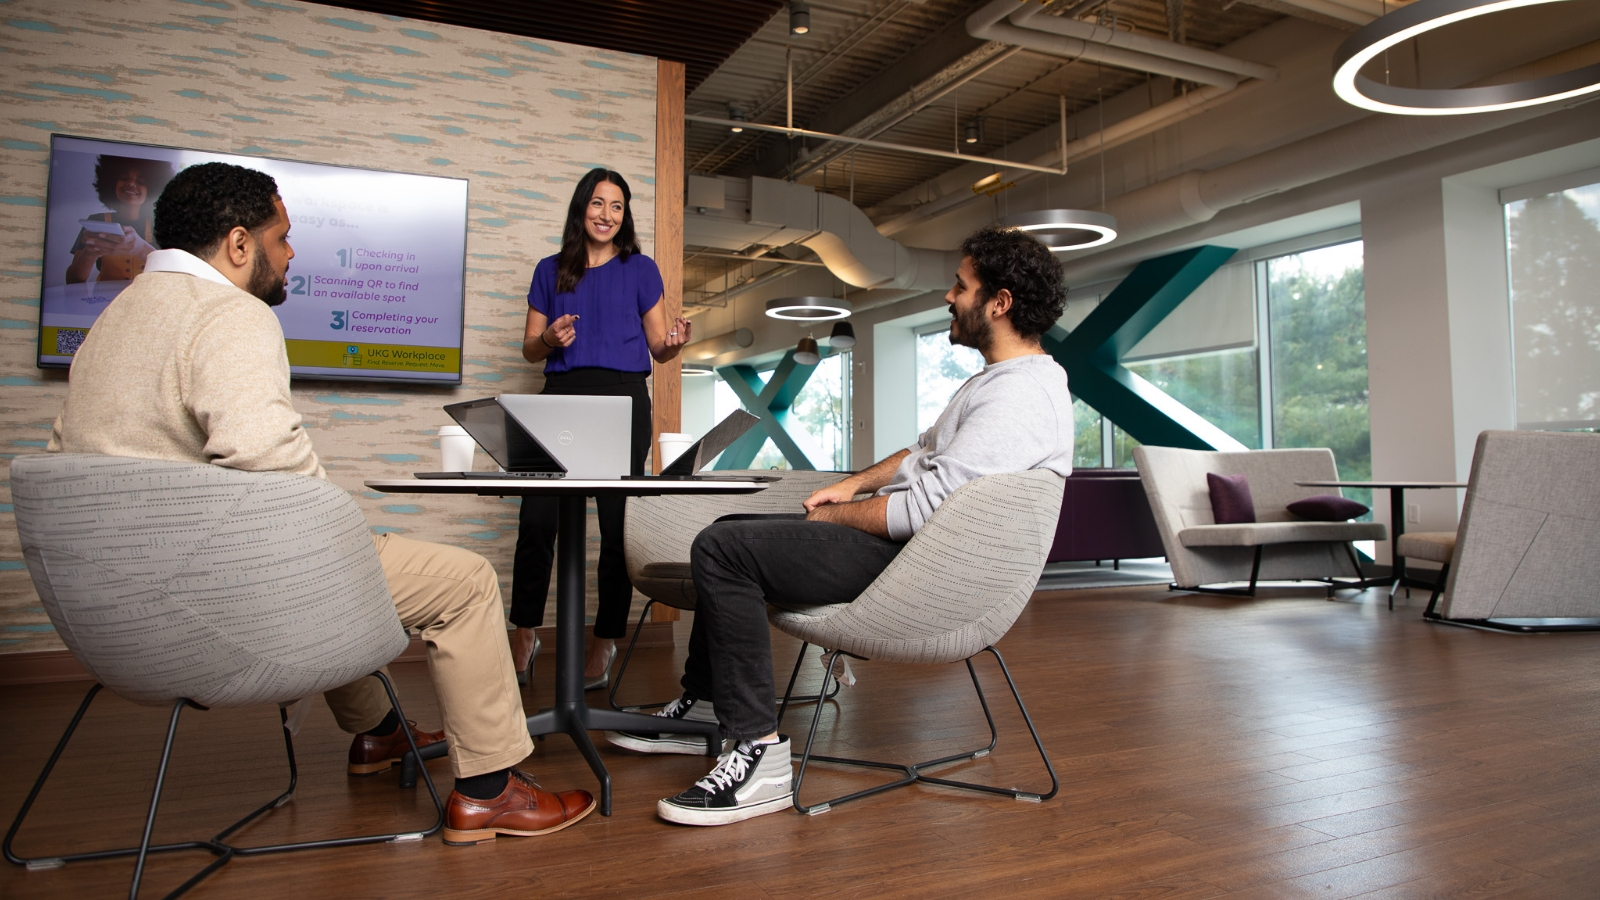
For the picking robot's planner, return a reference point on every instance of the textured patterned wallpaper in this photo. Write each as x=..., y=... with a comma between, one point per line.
x=521, y=119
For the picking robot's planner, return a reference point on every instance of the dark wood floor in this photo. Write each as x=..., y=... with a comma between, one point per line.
x=1276, y=748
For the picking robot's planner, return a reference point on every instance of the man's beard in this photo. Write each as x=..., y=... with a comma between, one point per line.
x=265, y=284
x=973, y=325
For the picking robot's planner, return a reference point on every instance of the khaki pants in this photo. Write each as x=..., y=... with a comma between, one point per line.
x=452, y=597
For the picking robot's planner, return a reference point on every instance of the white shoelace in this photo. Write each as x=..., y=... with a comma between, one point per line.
x=731, y=769
x=675, y=709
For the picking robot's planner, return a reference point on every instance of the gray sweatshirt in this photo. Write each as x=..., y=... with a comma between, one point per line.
x=1010, y=417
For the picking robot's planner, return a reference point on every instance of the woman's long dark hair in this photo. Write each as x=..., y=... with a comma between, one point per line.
x=573, y=261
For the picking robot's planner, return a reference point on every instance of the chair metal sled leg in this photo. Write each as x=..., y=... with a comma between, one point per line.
x=616, y=682
x=914, y=772
x=1430, y=613
x=1255, y=570
x=788, y=692
x=216, y=844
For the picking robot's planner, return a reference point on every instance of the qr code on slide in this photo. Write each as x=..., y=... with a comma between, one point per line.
x=68, y=340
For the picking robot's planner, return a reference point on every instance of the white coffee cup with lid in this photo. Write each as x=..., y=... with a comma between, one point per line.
x=456, y=449
x=673, y=444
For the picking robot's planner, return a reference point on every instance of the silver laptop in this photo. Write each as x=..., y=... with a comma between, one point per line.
x=590, y=436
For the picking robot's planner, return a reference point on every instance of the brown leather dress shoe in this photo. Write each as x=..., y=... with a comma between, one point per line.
x=370, y=755
x=523, y=809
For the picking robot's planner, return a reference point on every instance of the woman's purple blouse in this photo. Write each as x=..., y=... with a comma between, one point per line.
x=609, y=302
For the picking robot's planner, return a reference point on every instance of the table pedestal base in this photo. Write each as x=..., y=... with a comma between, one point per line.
x=571, y=715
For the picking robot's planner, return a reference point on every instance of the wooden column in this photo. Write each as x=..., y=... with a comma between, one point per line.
x=668, y=394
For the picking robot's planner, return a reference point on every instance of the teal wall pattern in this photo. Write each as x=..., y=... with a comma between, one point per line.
x=521, y=119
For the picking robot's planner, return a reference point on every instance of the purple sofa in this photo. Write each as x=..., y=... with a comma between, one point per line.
x=1105, y=515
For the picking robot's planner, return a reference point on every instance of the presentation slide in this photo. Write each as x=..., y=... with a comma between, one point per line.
x=375, y=288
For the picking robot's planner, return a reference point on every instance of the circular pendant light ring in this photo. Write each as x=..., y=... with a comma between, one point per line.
x=807, y=309
x=1421, y=17
x=1066, y=229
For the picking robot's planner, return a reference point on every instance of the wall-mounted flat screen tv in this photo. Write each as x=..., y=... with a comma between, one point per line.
x=376, y=288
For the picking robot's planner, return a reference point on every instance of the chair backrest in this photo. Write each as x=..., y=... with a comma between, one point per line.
x=960, y=582
x=1175, y=480
x=660, y=530
x=175, y=579
x=1529, y=541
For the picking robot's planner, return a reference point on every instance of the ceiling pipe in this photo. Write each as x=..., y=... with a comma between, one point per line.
x=1356, y=12
x=1032, y=18
x=989, y=24
x=881, y=145
x=1197, y=196
x=910, y=104
x=1115, y=135
x=765, y=278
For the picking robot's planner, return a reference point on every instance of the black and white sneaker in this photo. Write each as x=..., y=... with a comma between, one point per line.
x=686, y=708
x=750, y=780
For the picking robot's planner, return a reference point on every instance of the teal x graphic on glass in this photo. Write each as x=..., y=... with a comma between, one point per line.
x=1092, y=353
x=770, y=402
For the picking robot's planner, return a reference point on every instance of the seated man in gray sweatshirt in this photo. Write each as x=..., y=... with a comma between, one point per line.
x=1012, y=416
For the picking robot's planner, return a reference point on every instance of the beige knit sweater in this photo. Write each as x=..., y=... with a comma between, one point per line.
x=182, y=368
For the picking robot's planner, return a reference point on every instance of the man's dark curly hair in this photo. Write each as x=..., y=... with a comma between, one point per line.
x=1012, y=260
x=108, y=168
x=204, y=202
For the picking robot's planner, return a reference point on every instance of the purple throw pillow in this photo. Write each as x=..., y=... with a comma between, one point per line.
x=1327, y=508
x=1230, y=499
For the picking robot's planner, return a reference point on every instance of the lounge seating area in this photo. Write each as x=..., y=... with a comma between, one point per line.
x=1276, y=546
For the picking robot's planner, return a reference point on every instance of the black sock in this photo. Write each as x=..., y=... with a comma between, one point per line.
x=483, y=787
x=389, y=725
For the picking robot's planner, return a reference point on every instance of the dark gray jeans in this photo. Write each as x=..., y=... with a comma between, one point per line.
x=742, y=563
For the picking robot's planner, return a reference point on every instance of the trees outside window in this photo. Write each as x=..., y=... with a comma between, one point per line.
x=819, y=419
x=1317, y=318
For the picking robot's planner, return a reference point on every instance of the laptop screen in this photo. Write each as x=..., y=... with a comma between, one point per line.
x=502, y=437
x=706, y=449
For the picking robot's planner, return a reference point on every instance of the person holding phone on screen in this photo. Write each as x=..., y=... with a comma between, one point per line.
x=113, y=246
x=595, y=320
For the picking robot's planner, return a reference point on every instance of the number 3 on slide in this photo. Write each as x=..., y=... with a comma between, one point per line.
x=338, y=320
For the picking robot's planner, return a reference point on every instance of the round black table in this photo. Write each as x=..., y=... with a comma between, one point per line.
x=1397, y=518
x=571, y=715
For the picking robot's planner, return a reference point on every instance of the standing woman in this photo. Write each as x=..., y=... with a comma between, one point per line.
x=595, y=319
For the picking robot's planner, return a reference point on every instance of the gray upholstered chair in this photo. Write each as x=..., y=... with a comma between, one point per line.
x=952, y=593
x=1527, y=553
x=176, y=584
x=658, y=532
x=1276, y=547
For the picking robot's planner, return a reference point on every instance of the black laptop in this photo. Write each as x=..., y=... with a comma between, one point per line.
x=499, y=433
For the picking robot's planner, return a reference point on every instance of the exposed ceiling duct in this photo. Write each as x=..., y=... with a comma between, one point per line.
x=1197, y=196
x=781, y=213
x=1025, y=25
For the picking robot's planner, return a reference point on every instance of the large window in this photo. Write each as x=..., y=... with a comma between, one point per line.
x=1316, y=308
x=1553, y=255
x=1306, y=388
x=819, y=419
x=942, y=367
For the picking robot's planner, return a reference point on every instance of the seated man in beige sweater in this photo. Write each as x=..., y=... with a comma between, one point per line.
x=188, y=363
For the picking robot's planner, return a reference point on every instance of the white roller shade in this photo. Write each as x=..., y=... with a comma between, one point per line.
x=1553, y=243
x=1219, y=315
